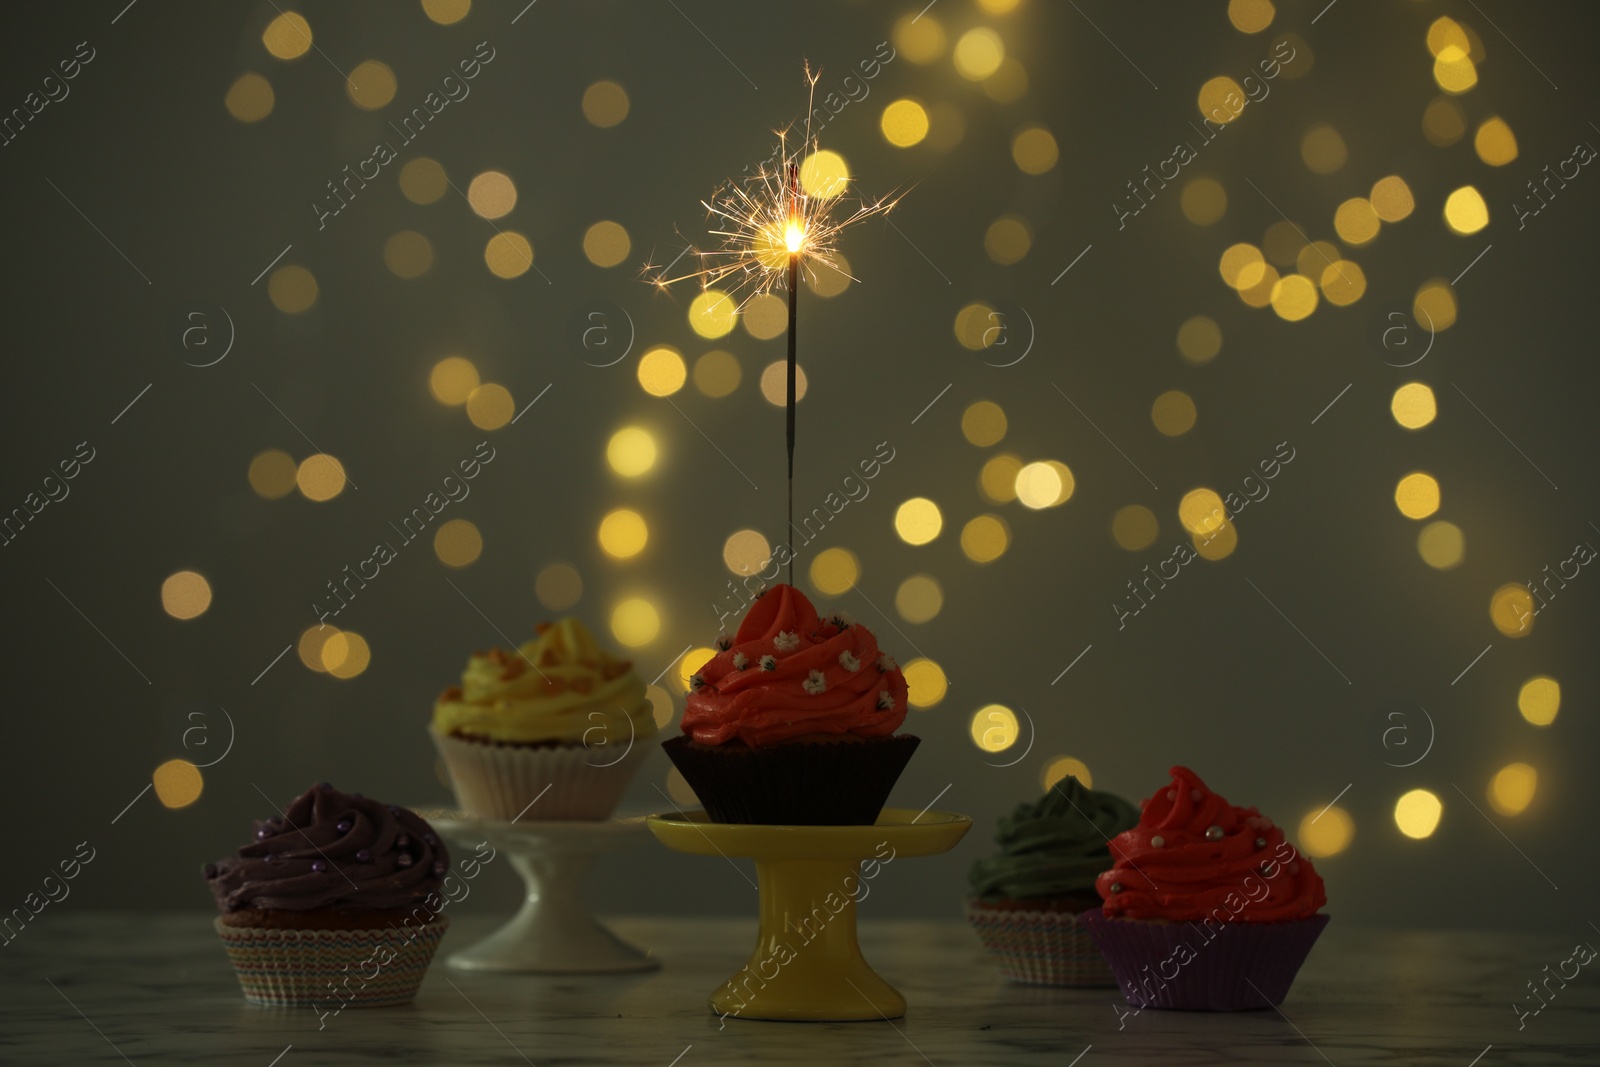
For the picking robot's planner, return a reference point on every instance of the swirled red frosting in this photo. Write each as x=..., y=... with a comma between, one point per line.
x=788, y=673
x=1194, y=856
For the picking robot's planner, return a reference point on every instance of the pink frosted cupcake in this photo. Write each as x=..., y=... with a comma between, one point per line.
x=1208, y=907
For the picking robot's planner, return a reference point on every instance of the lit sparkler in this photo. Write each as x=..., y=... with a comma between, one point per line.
x=776, y=225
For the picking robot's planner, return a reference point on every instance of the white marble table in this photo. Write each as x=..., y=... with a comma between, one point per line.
x=156, y=989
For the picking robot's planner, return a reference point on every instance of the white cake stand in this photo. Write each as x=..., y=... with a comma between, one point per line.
x=553, y=933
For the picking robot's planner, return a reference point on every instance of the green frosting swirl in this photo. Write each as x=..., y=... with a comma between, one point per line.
x=1055, y=846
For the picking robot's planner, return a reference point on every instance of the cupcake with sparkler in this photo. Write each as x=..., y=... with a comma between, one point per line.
x=1207, y=906
x=793, y=720
x=1026, y=900
x=553, y=730
x=335, y=902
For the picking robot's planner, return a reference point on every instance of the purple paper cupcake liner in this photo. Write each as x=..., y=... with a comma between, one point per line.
x=1188, y=966
x=1039, y=947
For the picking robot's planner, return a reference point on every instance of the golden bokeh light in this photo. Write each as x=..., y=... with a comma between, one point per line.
x=1008, y=84
x=491, y=406
x=508, y=254
x=492, y=194
x=1511, y=609
x=661, y=707
x=1356, y=221
x=1134, y=527
x=1417, y=495
x=1063, y=767
x=452, y=380
x=824, y=174
x=288, y=36
x=925, y=683
x=919, y=599
x=631, y=451
x=918, y=521
x=370, y=85
x=765, y=316
x=1322, y=149
x=1413, y=405
x=558, y=586
x=661, y=371
x=1249, y=16
x=1294, y=296
x=1204, y=201
x=1034, y=150
x=606, y=243
x=272, y=473
x=985, y=538
x=292, y=289
x=1199, y=339
x=999, y=7
x=1173, y=412
x=1218, y=544
x=446, y=12
x=1446, y=33
x=457, y=543
x=1444, y=122
x=1343, y=282
x=976, y=326
x=1259, y=295
x=1201, y=511
x=423, y=180
x=1391, y=198
x=1301, y=58
x=623, y=533
x=983, y=423
x=1008, y=239
x=1221, y=100
x=178, y=783
x=408, y=254
x=1316, y=257
x=717, y=373
x=826, y=278
x=1539, y=700
x=635, y=622
x=1434, y=307
x=1512, y=787
x=904, y=123
x=1454, y=71
x=918, y=37
x=185, y=595
x=1465, y=211
x=690, y=662
x=309, y=648
x=346, y=654
x=979, y=53
x=605, y=104
x=746, y=552
x=1326, y=831
x=1417, y=814
x=997, y=481
x=713, y=314
x=1441, y=545
x=681, y=792
x=1041, y=485
x=1282, y=243
x=775, y=383
x=834, y=571
x=1242, y=266
x=249, y=98
x=320, y=477
x=993, y=728
x=1494, y=142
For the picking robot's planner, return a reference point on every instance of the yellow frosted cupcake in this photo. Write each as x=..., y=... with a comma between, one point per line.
x=552, y=730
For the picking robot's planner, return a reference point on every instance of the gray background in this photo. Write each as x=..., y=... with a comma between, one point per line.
x=1211, y=675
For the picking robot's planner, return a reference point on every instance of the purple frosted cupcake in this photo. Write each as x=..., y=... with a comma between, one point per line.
x=1208, y=907
x=335, y=903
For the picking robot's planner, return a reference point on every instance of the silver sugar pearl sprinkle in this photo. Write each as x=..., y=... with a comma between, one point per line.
x=1116, y=887
x=1213, y=833
x=1157, y=842
x=1261, y=842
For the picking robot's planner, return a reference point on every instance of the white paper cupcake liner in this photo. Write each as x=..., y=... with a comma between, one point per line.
x=570, y=782
x=1040, y=947
x=331, y=968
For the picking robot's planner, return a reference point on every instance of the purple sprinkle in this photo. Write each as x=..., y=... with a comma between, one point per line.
x=394, y=809
x=344, y=826
x=364, y=856
x=430, y=839
x=325, y=786
x=270, y=858
x=438, y=868
x=403, y=840
x=404, y=859
x=318, y=866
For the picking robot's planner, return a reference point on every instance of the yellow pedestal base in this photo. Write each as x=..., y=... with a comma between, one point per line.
x=807, y=964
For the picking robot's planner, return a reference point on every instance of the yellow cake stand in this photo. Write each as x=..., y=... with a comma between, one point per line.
x=807, y=964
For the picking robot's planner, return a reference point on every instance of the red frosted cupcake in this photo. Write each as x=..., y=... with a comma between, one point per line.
x=1208, y=907
x=794, y=720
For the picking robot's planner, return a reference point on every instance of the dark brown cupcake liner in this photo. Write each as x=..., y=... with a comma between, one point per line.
x=799, y=783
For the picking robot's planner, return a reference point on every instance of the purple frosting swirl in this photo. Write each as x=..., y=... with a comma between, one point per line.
x=332, y=850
